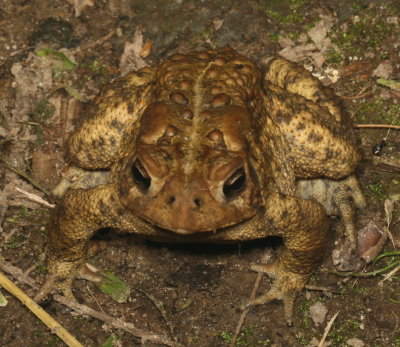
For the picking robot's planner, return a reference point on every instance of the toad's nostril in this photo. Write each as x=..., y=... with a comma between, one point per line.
x=171, y=200
x=197, y=202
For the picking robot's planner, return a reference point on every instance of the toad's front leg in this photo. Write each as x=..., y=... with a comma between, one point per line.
x=303, y=225
x=77, y=217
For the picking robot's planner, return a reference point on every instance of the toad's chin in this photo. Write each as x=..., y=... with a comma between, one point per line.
x=183, y=231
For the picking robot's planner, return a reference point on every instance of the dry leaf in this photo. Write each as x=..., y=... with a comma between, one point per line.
x=370, y=241
x=79, y=5
x=132, y=58
x=388, y=205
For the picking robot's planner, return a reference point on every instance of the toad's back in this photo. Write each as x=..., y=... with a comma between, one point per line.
x=201, y=90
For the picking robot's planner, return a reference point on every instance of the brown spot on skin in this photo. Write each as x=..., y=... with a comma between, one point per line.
x=329, y=153
x=219, y=61
x=216, y=136
x=282, y=117
x=117, y=125
x=112, y=141
x=186, y=73
x=250, y=94
x=179, y=98
x=206, y=116
x=131, y=108
x=185, y=85
x=170, y=130
x=177, y=57
x=230, y=82
x=239, y=66
x=215, y=90
x=187, y=114
x=313, y=137
x=300, y=126
x=211, y=74
x=221, y=100
x=164, y=94
x=168, y=75
x=203, y=56
x=104, y=208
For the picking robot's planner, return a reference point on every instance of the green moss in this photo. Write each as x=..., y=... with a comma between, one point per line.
x=334, y=57
x=303, y=340
x=286, y=12
x=378, y=109
x=274, y=37
x=342, y=331
x=366, y=34
x=397, y=337
x=43, y=110
x=377, y=190
x=247, y=337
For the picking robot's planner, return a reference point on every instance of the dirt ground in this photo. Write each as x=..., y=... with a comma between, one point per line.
x=55, y=54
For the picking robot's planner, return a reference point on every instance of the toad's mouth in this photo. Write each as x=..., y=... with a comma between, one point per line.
x=231, y=233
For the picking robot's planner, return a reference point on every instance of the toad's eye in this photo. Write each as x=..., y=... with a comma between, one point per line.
x=234, y=184
x=140, y=176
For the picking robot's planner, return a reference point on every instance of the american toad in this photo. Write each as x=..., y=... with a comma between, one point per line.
x=206, y=148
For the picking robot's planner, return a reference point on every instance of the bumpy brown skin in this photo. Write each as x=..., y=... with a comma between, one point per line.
x=202, y=149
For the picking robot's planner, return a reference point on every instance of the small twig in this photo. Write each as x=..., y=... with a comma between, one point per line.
x=54, y=326
x=28, y=123
x=321, y=289
x=386, y=126
x=35, y=198
x=23, y=174
x=9, y=235
x=3, y=212
x=385, y=168
x=367, y=274
x=358, y=96
x=91, y=44
x=94, y=298
x=327, y=329
x=246, y=311
x=390, y=274
x=18, y=274
x=144, y=335
x=160, y=307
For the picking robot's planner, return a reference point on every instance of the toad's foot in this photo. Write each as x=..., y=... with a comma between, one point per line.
x=337, y=197
x=285, y=287
x=55, y=284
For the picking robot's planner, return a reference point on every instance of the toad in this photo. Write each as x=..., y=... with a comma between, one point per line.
x=206, y=148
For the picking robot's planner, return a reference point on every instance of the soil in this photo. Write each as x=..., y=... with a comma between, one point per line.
x=55, y=54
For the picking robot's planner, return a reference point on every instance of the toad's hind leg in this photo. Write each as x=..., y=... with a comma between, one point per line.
x=321, y=137
x=297, y=80
x=337, y=196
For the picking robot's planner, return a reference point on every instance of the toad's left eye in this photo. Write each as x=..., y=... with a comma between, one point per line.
x=140, y=175
x=234, y=184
